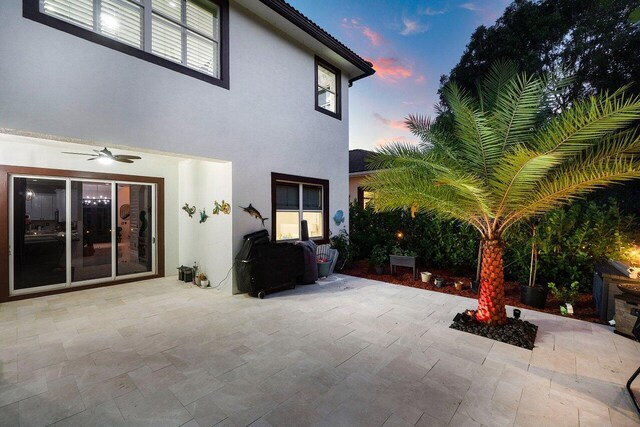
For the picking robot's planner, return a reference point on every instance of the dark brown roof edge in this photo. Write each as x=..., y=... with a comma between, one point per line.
x=314, y=30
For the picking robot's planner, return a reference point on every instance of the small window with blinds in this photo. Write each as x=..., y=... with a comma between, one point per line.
x=295, y=199
x=183, y=32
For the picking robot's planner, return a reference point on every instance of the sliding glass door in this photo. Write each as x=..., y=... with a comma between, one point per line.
x=91, y=231
x=135, y=237
x=39, y=246
x=72, y=232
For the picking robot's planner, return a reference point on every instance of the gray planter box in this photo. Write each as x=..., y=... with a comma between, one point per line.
x=404, y=261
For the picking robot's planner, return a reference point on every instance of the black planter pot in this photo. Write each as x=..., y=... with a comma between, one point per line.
x=533, y=295
x=439, y=282
x=475, y=286
x=378, y=269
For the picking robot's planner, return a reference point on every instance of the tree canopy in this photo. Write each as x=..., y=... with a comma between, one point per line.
x=594, y=41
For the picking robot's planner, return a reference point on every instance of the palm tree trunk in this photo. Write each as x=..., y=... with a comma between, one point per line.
x=491, y=306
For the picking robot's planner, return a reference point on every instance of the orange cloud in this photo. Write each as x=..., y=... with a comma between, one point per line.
x=390, y=69
x=354, y=24
x=395, y=124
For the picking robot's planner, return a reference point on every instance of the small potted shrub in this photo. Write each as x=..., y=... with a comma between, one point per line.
x=378, y=258
x=203, y=281
x=567, y=295
x=324, y=265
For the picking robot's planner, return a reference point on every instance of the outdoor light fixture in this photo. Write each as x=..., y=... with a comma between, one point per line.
x=516, y=313
x=399, y=234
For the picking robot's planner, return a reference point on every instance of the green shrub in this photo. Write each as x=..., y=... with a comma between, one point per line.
x=570, y=241
x=379, y=255
x=566, y=294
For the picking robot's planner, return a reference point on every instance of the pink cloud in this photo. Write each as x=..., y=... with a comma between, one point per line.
x=394, y=124
x=390, y=69
x=420, y=79
x=373, y=37
x=354, y=24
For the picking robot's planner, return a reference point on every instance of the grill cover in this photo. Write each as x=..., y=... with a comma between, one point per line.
x=264, y=266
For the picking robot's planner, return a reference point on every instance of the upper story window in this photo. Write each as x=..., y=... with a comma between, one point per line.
x=327, y=89
x=183, y=35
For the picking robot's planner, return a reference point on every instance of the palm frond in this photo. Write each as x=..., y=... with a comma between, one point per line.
x=570, y=183
x=479, y=143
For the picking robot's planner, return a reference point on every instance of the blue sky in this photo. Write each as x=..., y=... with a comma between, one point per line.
x=411, y=44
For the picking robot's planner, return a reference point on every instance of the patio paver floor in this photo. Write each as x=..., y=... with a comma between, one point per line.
x=347, y=352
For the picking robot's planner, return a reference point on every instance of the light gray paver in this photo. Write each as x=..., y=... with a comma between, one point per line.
x=347, y=351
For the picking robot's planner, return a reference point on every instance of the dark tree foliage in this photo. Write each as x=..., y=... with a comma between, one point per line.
x=594, y=41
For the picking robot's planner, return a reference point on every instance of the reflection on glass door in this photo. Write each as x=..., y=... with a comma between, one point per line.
x=134, y=232
x=39, y=239
x=91, y=247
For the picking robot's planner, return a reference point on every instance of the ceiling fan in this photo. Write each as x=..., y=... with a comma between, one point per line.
x=106, y=156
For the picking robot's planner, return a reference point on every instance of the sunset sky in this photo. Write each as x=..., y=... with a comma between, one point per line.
x=411, y=44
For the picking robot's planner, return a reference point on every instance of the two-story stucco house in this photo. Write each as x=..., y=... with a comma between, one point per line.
x=241, y=101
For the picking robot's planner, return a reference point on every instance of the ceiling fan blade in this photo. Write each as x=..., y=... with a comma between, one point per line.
x=123, y=160
x=125, y=156
x=93, y=158
x=79, y=154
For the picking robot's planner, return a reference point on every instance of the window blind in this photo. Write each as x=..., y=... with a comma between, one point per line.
x=121, y=20
x=79, y=12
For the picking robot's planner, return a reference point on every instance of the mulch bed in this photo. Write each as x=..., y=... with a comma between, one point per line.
x=515, y=332
x=583, y=309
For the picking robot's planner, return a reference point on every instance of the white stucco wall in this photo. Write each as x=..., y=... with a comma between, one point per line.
x=209, y=243
x=58, y=84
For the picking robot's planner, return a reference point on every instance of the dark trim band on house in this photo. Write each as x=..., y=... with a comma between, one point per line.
x=31, y=10
x=7, y=171
x=297, y=18
x=277, y=178
x=338, y=113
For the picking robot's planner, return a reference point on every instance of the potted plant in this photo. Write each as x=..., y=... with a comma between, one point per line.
x=439, y=282
x=404, y=258
x=378, y=258
x=458, y=285
x=567, y=296
x=204, y=282
x=324, y=265
x=426, y=276
x=530, y=294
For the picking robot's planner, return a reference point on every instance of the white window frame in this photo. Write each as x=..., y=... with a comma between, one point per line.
x=301, y=209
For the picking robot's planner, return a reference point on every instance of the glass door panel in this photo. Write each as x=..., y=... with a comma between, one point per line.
x=134, y=231
x=39, y=232
x=91, y=231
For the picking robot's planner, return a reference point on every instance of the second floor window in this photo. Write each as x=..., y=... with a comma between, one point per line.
x=327, y=89
x=182, y=31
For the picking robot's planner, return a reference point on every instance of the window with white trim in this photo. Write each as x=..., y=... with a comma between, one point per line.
x=327, y=89
x=295, y=202
x=183, y=31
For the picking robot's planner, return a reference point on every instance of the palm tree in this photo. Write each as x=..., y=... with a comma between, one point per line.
x=504, y=160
